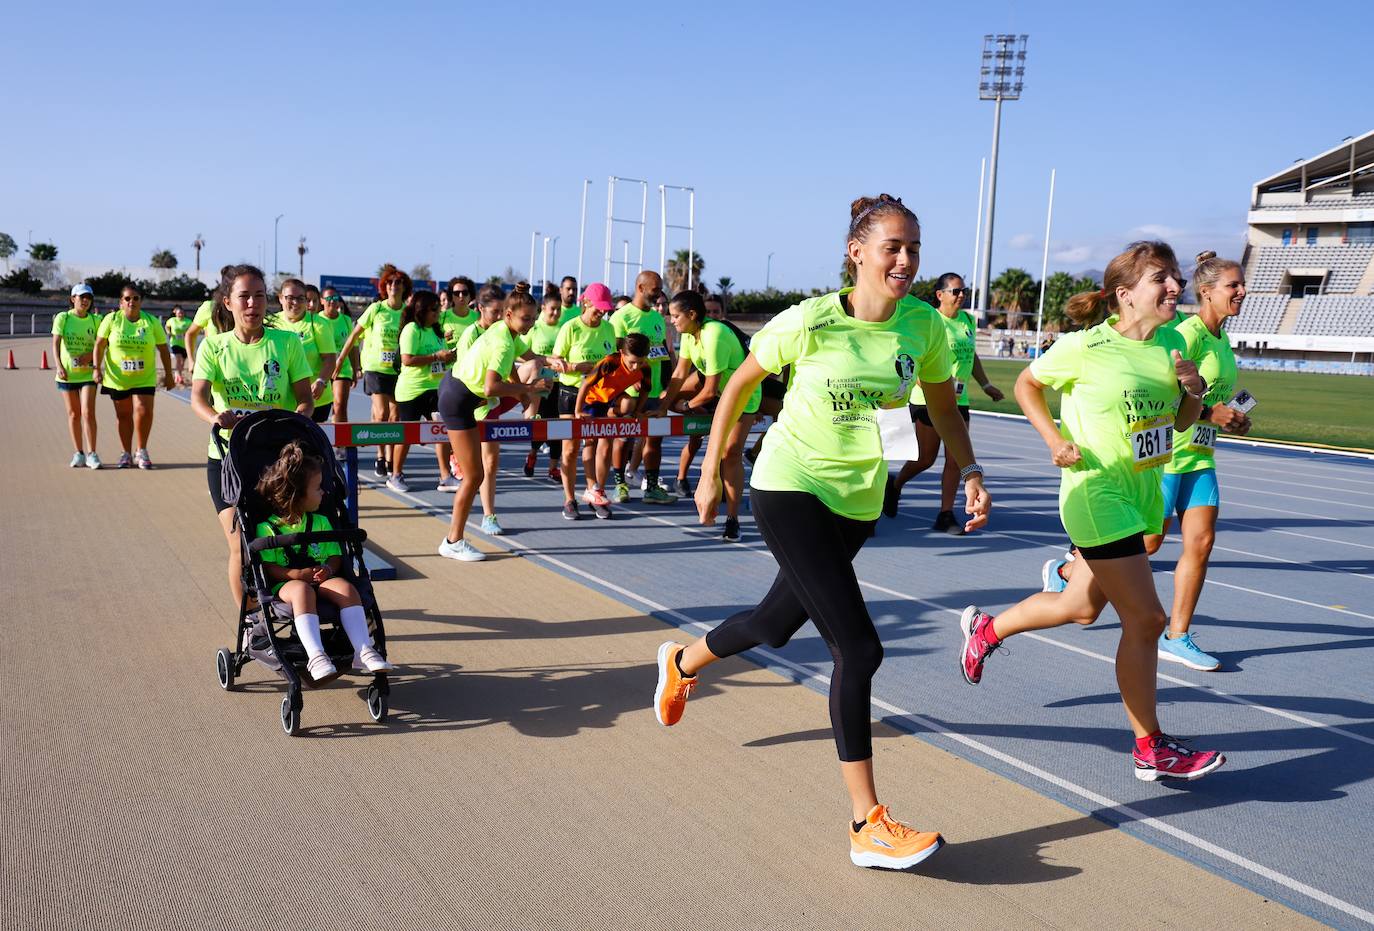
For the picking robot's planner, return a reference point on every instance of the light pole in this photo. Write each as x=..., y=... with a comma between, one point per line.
x=198, y=245
x=1000, y=78
x=553, y=259
x=534, y=238
x=582, y=229
x=276, y=270
x=768, y=272
x=544, y=268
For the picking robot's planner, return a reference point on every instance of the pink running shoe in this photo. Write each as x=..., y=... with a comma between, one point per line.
x=974, y=624
x=595, y=496
x=1167, y=758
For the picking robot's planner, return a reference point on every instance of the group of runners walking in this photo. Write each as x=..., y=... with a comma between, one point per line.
x=1143, y=396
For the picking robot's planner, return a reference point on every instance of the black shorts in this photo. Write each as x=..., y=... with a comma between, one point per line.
x=457, y=404
x=774, y=388
x=179, y=351
x=596, y=409
x=921, y=414
x=567, y=398
x=74, y=385
x=118, y=395
x=380, y=383
x=214, y=472
x=1134, y=545
x=322, y=412
x=421, y=407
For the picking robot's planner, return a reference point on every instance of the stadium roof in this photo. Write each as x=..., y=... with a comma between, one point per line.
x=1353, y=158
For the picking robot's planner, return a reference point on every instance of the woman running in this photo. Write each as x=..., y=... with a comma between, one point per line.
x=380, y=329
x=246, y=368
x=961, y=331
x=817, y=491
x=1126, y=387
x=479, y=377
x=424, y=359
x=177, y=325
x=542, y=339
x=712, y=349
x=459, y=315
x=126, y=347
x=346, y=367
x=582, y=342
x=73, y=346
x=317, y=339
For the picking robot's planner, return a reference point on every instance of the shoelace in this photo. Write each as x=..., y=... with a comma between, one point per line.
x=895, y=827
x=684, y=689
x=1172, y=743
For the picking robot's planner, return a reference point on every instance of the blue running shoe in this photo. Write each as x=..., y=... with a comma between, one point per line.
x=1050, y=579
x=1185, y=652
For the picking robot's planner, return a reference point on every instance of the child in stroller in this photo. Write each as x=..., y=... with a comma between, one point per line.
x=293, y=487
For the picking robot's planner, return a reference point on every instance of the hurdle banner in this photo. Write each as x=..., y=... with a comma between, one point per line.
x=426, y=432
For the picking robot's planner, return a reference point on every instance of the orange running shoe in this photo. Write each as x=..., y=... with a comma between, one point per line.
x=670, y=697
x=886, y=843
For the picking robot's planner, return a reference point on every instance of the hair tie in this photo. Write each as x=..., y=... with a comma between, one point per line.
x=1102, y=294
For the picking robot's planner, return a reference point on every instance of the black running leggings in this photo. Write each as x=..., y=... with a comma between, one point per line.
x=815, y=550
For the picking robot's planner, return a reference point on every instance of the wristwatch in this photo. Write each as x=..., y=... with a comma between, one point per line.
x=972, y=468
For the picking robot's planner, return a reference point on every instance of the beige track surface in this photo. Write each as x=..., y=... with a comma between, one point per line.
x=521, y=783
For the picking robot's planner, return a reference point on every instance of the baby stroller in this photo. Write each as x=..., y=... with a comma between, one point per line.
x=267, y=632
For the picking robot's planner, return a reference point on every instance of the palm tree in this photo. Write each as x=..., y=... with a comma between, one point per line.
x=680, y=277
x=7, y=248
x=1014, y=291
x=198, y=245
x=723, y=285
x=163, y=258
x=301, y=250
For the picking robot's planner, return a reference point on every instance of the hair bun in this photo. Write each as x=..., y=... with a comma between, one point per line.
x=522, y=287
x=1205, y=256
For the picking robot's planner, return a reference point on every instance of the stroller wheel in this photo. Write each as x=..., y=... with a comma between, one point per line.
x=290, y=717
x=376, y=703
x=224, y=665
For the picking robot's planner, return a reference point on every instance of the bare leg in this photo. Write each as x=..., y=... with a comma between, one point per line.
x=467, y=450
x=689, y=453
x=341, y=389
x=398, y=458
x=231, y=535
x=569, y=469
x=143, y=419
x=124, y=421
x=1131, y=590
x=1081, y=602
x=491, y=461
x=603, y=461
x=72, y=400
x=441, y=454
x=1199, y=534
x=732, y=467
x=858, y=779
x=949, y=483
x=88, y=394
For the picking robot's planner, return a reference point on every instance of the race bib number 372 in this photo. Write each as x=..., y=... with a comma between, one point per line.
x=1152, y=442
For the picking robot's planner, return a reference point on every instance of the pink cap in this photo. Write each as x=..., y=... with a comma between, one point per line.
x=598, y=295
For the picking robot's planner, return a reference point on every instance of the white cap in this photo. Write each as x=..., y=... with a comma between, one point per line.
x=80, y=289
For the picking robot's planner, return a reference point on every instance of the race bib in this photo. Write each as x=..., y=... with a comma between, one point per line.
x=658, y=352
x=959, y=389
x=1152, y=442
x=389, y=357
x=437, y=368
x=1204, y=439
x=132, y=365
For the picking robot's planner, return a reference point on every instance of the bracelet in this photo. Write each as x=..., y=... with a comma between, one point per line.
x=972, y=468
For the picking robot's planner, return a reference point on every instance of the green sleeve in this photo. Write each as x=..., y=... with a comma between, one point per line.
x=563, y=342
x=58, y=323
x=324, y=335
x=203, y=314
x=935, y=365
x=618, y=326
x=106, y=324
x=781, y=341
x=207, y=365
x=297, y=368
x=715, y=345
x=159, y=334
x=1060, y=366
x=410, y=340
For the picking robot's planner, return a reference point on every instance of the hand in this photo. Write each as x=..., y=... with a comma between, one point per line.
x=317, y=388
x=322, y=574
x=994, y=392
x=1226, y=417
x=1187, y=375
x=1066, y=454
x=98, y=374
x=83, y=361
x=446, y=355
x=707, y=498
x=61, y=372
x=169, y=380
x=1239, y=425
x=978, y=504
x=227, y=419
x=357, y=377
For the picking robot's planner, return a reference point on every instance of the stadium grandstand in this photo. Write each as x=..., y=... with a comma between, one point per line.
x=1309, y=265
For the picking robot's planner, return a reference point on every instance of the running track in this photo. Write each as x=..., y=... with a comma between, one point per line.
x=1288, y=607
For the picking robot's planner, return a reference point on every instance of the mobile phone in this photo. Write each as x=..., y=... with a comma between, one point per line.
x=1244, y=401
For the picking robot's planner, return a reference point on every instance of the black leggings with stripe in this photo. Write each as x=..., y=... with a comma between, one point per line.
x=815, y=550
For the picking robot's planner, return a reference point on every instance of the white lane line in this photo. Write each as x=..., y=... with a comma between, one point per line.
x=1292, y=562
x=1294, y=533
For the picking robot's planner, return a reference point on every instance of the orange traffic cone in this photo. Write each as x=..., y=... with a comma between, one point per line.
x=10, y=365
x=44, y=364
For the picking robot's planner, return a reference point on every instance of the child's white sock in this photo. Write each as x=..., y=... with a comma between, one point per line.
x=354, y=620
x=308, y=629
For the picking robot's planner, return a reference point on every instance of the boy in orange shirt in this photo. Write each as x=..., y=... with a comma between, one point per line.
x=603, y=390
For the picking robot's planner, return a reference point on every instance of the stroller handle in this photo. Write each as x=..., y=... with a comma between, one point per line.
x=301, y=539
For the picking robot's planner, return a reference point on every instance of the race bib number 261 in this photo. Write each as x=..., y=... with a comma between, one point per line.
x=1152, y=442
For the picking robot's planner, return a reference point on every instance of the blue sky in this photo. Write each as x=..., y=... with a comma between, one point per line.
x=411, y=131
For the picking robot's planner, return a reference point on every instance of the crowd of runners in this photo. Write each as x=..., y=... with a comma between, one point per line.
x=1144, y=392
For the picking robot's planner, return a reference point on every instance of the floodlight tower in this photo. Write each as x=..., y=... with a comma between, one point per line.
x=999, y=79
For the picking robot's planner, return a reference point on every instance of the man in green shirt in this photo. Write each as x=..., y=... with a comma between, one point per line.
x=639, y=316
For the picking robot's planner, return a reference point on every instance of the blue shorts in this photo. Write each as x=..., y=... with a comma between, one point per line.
x=1184, y=490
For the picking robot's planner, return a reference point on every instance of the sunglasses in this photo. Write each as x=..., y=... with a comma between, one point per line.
x=957, y=292
x=457, y=293
x=333, y=300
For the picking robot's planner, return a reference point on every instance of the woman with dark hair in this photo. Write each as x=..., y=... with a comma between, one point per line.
x=317, y=339
x=1126, y=388
x=817, y=491
x=424, y=359
x=346, y=367
x=380, y=329
x=459, y=314
x=126, y=347
x=961, y=334
x=73, y=348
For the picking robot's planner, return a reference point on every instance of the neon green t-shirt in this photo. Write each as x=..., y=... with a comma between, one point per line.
x=131, y=357
x=1195, y=448
x=342, y=326
x=317, y=553
x=494, y=351
x=960, y=332
x=569, y=313
x=630, y=319
x=381, y=338
x=826, y=440
x=205, y=318
x=415, y=380
x=1120, y=398
x=542, y=336
x=454, y=325
x=465, y=340
x=716, y=350
x=317, y=338
x=252, y=376
x=577, y=343
x=176, y=331
x=78, y=340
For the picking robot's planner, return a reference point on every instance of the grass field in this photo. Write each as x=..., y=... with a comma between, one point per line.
x=1335, y=410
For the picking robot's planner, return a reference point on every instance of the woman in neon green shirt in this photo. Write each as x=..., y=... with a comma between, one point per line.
x=73, y=348
x=1126, y=388
x=817, y=490
x=542, y=338
x=126, y=346
x=317, y=340
x=381, y=325
x=424, y=359
x=247, y=368
x=349, y=368
x=177, y=325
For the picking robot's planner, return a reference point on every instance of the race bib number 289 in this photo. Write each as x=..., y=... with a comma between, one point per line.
x=1152, y=442
x=1204, y=439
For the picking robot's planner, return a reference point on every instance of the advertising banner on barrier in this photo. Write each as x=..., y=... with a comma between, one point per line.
x=517, y=431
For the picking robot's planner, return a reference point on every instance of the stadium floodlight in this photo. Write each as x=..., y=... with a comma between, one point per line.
x=1000, y=78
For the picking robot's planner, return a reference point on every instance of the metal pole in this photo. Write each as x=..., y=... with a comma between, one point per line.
x=553, y=261
x=986, y=273
x=582, y=229
x=768, y=272
x=1044, y=267
x=978, y=228
x=643, y=222
x=663, y=230
x=276, y=269
x=625, y=268
x=610, y=203
x=534, y=238
x=544, y=269
x=691, y=234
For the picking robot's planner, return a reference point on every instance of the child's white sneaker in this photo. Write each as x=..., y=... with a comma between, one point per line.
x=320, y=667
x=370, y=660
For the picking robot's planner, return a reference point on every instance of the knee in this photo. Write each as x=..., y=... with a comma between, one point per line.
x=1200, y=542
x=863, y=657
x=1153, y=541
x=1148, y=626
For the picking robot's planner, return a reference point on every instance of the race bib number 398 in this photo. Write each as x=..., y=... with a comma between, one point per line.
x=1152, y=442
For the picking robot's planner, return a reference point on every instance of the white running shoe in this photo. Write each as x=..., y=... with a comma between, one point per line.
x=320, y=667
x=141, y=459
x=449, y=484
x=92, y=460
x=462, y=551
x=78, y=460
x=397, y=482
x=371, y=660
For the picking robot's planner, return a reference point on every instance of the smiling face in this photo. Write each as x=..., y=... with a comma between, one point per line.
x=713, y=309
x=293, y=301
x=888, y=260
x=553, y=312
x=951, y=296
x=1155, y=296
x=1226, y=294
x=445, y=301
x=683, y=321
x=521, y=319
x=247, y=301
x=395, y=292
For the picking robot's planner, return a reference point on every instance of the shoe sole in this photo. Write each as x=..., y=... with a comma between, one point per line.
x=1165, y=655
x=1045, y=571
x=966, y=625
x=664, y=650
x=573, y=516
x=1155, y=775
x=445, y=488
x=662, y=502
x=876, y=861
x=602, y=513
